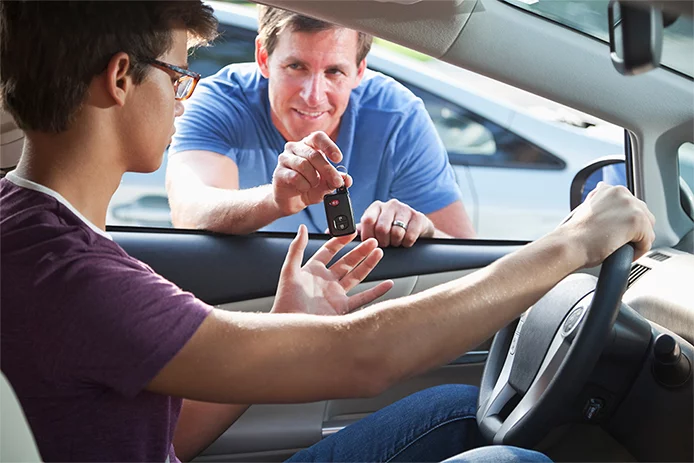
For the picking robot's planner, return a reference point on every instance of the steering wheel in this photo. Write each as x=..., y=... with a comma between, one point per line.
x=541, y=363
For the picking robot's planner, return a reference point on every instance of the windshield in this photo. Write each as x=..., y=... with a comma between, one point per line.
x=590, y=17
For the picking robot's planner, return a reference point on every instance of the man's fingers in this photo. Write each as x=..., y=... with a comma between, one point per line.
x=347, y=179
x=322, y=142
x=368, y=296
x=350, y=260
x=368, y=220
x=382, y=229
x=329, y=174
x=290, y=179
x=415, y=228
x=300, y=165
x=295, y=254
x=332, y=247
x=362, y=270
x=397, y=233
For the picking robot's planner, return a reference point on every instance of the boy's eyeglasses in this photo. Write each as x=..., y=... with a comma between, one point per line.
x=185, y=84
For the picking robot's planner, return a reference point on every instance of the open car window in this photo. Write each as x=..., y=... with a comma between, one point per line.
x=513, y=154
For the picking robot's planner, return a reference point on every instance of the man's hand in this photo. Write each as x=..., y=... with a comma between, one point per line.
x=610, y=217
x=394, y=224
x=319, y=290
x=303, y=174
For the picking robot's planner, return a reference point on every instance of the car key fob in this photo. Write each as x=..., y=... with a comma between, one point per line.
x=338, y=212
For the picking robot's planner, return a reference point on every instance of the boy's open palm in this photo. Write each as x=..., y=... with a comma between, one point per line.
x=318, y=289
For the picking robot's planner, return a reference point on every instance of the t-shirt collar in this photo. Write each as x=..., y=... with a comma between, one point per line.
x=28, y=184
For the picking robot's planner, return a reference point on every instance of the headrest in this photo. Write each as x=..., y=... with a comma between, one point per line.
x=11, y=142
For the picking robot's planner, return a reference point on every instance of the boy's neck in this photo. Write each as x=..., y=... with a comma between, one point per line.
x=80, y=170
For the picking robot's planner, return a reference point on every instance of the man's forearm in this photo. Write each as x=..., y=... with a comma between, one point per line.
x=410, y=335
x=200, y=424
x=224, y=211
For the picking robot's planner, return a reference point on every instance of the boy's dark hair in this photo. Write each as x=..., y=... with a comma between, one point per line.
x=51, y=50
x=272, y=21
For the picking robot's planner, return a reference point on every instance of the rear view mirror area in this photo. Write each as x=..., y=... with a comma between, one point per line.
x=636, y=35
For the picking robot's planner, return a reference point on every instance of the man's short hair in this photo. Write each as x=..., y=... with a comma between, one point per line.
x=50, y=51
x=272, y=21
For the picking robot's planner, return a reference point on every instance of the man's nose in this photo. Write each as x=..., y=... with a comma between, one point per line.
x=313, y=91
x=179, y=109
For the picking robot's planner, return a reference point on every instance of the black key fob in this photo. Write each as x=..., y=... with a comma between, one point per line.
x=338, y=212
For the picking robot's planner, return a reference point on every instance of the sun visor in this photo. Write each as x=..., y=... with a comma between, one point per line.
x=428, y=26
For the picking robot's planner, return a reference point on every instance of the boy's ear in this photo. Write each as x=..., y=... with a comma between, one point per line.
x=261, y=57
x=118, y=81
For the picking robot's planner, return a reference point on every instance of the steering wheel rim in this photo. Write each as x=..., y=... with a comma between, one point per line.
x=508, y=416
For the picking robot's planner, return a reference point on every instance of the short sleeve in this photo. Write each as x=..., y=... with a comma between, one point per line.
x=210, y=121
x=424, y=178
x=121, y=323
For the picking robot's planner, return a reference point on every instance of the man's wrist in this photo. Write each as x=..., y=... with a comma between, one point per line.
x=431, y=231
x=271, y=205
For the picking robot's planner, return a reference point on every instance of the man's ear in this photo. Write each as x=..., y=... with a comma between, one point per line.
x=360, y=72
x=118, y=82
x=262, y=57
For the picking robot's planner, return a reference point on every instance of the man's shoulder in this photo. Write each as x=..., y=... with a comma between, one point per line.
x=236, y=79
x=378, y=92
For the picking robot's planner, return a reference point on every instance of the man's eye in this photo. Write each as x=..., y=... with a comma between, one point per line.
x=334, y=71
x=294, y=66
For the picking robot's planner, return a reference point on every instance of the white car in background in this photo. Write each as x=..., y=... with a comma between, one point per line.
x=508, y=148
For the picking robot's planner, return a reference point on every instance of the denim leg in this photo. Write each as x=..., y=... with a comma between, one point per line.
x=428, y=426
x=499, y=454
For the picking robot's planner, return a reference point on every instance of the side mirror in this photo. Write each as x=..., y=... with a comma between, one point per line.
x=609, y=169
x=636, y=36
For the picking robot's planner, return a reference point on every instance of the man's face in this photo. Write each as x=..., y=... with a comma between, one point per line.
x=311, y=76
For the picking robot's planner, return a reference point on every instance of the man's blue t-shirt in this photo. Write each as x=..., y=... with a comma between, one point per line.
x=389, y=144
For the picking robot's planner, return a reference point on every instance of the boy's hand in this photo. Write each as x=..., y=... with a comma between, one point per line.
x=319, y=290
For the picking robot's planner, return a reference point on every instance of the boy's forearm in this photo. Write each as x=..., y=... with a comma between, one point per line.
x=200, y=424
x=455, y=317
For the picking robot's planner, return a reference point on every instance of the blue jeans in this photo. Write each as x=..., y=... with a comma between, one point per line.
x=433, y=425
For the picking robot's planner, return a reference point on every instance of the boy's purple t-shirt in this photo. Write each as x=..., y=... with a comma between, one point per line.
x=83, y=329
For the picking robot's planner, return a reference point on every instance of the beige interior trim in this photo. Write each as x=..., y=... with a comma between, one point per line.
x=402, y=287
x=17, y=442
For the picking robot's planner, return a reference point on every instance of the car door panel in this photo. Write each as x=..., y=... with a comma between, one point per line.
x=275, y=432
x=240, y=273
x=220, y=269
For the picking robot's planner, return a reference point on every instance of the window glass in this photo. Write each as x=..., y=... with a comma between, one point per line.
x=235, y=45
x=513, y=154
x=141, y=199
x=590, y=17
x=686, y=168
x=472, y=140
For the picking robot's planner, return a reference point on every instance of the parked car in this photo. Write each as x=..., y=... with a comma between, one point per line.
x=506, y=157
